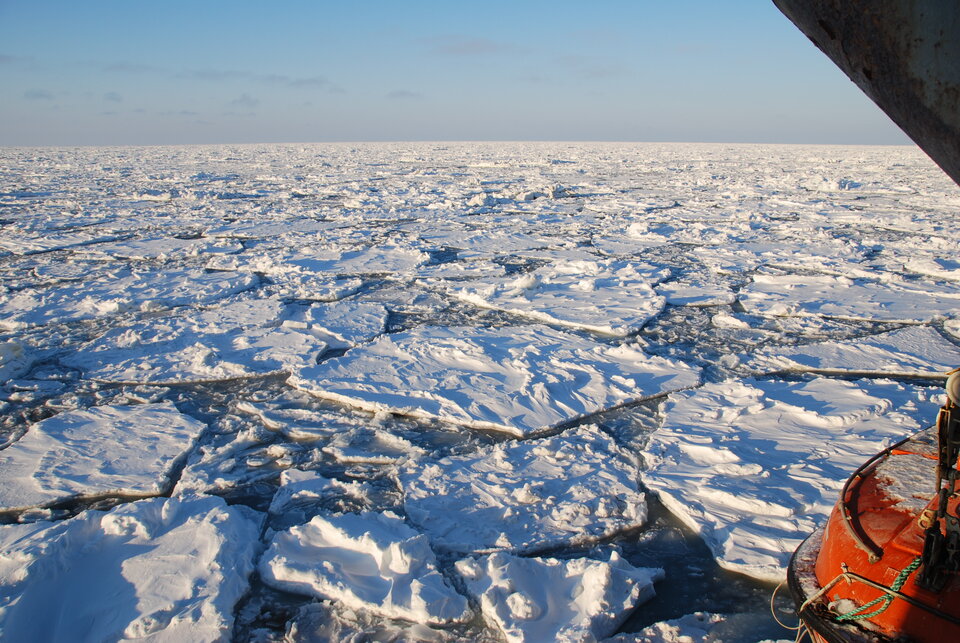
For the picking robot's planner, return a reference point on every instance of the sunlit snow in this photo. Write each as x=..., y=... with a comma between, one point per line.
x=402, y=356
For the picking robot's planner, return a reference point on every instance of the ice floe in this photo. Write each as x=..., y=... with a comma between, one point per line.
x=240, y=339
x=104, y=450
x=371, y=560
x=755, y=465
x=612, y=298
x=127, y=291
x=158, y=569
x=520, y=380
x=572, y=488
x=545, y=599
x=846, y=298
x=915, y=351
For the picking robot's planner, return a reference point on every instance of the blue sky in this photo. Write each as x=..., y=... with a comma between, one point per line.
x=106, y=72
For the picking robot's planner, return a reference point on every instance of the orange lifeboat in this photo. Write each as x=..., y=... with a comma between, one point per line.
x=886, y=566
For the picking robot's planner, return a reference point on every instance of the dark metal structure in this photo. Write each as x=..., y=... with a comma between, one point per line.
x=903, y=54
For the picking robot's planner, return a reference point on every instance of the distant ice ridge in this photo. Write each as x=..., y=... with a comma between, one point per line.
x=105, y=450
x=755, y=466
x=520, y=380
x=155, y=570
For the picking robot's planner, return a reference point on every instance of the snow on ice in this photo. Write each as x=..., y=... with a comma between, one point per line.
x=104, y=450
x=368, y=560
x=520, y=380
x=476, y=337
x=915, y=351
x=754, y=466
x=612, y=298
x=545, y=599
x=572, y=488
x=158, y=569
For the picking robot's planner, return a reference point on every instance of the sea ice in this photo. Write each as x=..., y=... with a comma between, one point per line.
x=520, y=380
x=15, y=360
x=609, y=297
x=158, y=570
x=845, y=298
x=371, y=561
x=915, y=351
x=241, y=339
x=126, y=291
x=569, y=489
x=104, y=450
x=545, y=599
x=329, y=621
x=754, y=466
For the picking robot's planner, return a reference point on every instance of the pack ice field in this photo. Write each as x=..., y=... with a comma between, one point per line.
x=450, y=392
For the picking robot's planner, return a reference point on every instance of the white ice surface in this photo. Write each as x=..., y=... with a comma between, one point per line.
x=545, y=599
x=302, y=487
x=911, y=351
x=15, y=360
x=521, y=379
x=755, y=466
x=608, y=297
x=116, y=450
x=845, y=298
x=572, y=488
x=240, y=339
x=152, y=570
x=371, y=560
x=126, y=291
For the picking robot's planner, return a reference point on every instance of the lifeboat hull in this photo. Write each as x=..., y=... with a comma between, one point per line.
x=858, y=578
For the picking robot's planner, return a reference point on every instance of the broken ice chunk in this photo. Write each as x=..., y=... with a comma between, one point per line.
x=569, y=489
x=117, y=450
x=372, y=561
x=545, y=599
x=159, y=569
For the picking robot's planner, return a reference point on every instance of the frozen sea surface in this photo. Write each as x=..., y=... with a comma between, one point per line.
x=450, y=392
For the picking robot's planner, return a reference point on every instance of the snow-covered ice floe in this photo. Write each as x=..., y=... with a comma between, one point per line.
x=521, y=380
x=545, y=599
x=755, y=466
x=104, y=450
x=845, y=298
x=915, y=351
x=370, y=560
x=568, y=489
x=158, y=570
x=607, y=297
x=243, y=338
x=123, y=292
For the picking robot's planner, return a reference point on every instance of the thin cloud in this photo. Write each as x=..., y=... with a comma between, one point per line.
x=113, y=97
x=37, y=94
x=246, y=101
x=589, y=68
x=403, y=94
x=456, y=45
x=226, y=75
x=7, y=59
